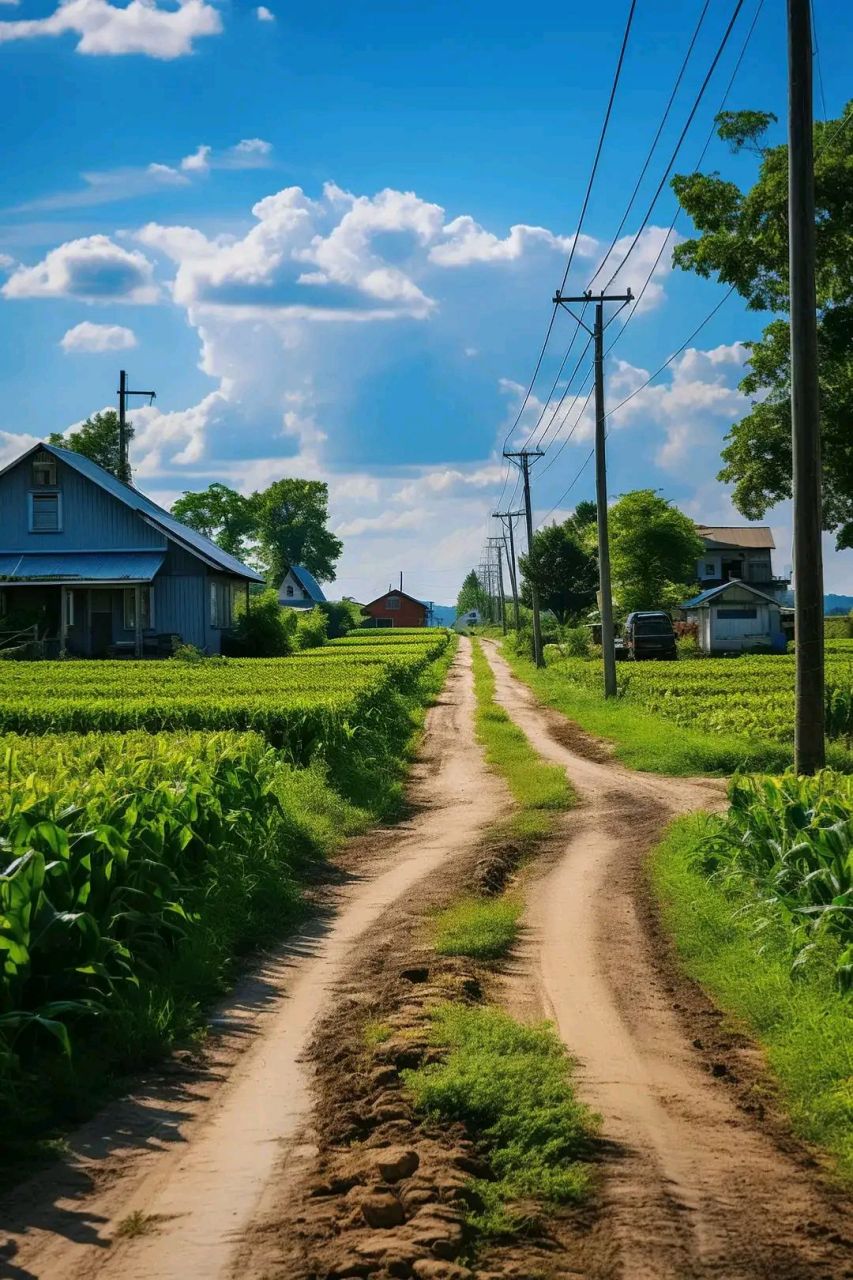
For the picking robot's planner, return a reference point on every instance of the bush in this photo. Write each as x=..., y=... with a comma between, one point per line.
x=264, y=630
x=311, y=629
x=839, y=627
x=343, y=617
x=577, y=642
x=688, y=646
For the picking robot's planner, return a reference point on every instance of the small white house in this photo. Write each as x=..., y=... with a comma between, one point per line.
x=300, y=589
x=736, y=617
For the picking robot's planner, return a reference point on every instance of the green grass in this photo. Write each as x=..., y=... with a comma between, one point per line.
x=511, y=1084
x=539, y=790
x=484, y=928
x=802, y=1022
x=645, y=741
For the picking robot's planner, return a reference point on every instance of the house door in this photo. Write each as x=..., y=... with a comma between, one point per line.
x=101, y=622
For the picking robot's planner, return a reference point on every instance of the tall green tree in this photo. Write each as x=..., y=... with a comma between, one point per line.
x=743, y=241
x=653, y=552
x=277, y=527
x=562, y=566
x=221, y=514
x=472, y=595
x=291, y=519
x=97, y=438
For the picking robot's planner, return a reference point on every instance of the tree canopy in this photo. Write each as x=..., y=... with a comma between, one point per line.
x=98, y=439
x=277, y=527
x=653, y=552
x=472, y=595
x=743, y=240
x=562, y=564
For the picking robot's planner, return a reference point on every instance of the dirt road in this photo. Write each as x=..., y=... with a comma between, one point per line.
x=694, y=1188
x=191, y=1177
x=187, y=1183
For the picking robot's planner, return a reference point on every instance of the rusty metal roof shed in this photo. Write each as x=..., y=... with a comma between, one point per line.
x=755, y=537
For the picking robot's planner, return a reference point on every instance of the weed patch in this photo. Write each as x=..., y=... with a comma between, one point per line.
x=483, y=928
x=511, y=1085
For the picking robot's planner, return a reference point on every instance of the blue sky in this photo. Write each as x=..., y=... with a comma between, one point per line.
x=328, y=236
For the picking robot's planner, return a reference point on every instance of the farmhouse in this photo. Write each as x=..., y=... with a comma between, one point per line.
x=736, y=617
x=396, y=609
x=738, y=553
x=300, y=589
x=100, y=569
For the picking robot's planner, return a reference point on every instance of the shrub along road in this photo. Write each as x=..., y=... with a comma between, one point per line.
x=213, y=1174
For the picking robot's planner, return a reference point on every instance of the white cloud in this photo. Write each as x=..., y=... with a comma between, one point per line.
x=466, y=242
x=198, y=162
x=90, y=337
x=263, y=14
x=94, y=269
x=13, y=444
x=139, y=27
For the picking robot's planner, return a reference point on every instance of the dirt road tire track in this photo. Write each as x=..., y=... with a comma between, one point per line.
x=694, y=1188
x=200, y=1174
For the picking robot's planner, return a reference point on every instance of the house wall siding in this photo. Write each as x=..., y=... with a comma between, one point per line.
x=92, y=520
x=411, y=613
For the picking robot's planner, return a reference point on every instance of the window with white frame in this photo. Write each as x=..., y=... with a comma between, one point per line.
x=129, y=604
x=45, y=512
x=69, y=608
x=221, y=604
x=392, y=602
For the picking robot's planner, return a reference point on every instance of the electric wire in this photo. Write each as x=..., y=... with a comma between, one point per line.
x=681, y=137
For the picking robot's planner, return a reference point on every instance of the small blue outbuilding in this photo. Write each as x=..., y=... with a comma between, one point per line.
x=101, y=569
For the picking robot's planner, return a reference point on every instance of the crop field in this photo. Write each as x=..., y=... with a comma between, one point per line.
x=322, y=695
x=750, y=696
x=154, y=817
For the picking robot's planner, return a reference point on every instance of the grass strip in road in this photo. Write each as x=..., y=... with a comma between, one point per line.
x=798, y=1015
x=511, y=1085
x=645, y=741
x=483, y=928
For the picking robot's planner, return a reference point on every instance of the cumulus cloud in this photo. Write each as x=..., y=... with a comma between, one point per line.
x=140, y=27
x=465, y=241
x=263, y=14
x=198, y=162
x=94, y=269
x=95, y=338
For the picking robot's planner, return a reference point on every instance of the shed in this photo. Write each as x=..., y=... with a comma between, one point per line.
x=396, y=609
x=300, y=589
x=736, y=618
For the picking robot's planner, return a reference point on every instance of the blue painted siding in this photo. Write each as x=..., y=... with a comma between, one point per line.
x=92, y=520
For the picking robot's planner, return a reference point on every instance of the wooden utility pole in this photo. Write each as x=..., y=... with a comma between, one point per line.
x=809, y=743
x=124, y=472
x=608, y=644
x=507, y=519
x=524, y=456
x=497, y=545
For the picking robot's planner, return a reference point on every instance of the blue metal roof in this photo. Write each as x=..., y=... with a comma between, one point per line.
x=81, y=566
x=173, y=528
x=308, y=582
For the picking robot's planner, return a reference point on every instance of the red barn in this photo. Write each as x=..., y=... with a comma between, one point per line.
x=396, y=609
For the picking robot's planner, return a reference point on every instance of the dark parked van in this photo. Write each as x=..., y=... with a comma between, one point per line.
x=650, y=635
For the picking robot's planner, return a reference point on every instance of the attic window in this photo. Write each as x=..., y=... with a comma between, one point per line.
x=44, y=471
x=45, y=513
x=393, y=602
x=289, y=589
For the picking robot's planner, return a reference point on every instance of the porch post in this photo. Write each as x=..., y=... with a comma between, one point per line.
x=63, y=618
x=247, y=599
x=137, y=618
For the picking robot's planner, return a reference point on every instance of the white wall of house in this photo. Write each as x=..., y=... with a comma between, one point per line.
x=291, y=590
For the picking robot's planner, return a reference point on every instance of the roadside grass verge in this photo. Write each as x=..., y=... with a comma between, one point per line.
x=483, y=928
x=645, y=741
x=798, y=1016
x=511, y=1085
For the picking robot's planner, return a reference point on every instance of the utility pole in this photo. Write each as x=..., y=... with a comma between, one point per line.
x=524, y=456
x=809, y=744
x=123, y=393
x=608, y=647
x=507, y=519
x=497, y=545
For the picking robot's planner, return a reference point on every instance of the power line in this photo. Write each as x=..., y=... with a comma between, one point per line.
x=681, y=137
x=817, y=60
x=655, y=141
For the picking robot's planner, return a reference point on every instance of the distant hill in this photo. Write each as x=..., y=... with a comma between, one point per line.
x=444, y=615
x=831, y=603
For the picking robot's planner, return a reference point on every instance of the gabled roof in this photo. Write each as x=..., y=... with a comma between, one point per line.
x=708, y=597
x=395, y=591
x=307, y=582
x=755, y=537
x=190, y=539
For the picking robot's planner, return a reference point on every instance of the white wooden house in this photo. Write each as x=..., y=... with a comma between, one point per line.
x=736, y=617
x=300, y=589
